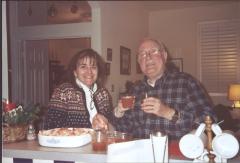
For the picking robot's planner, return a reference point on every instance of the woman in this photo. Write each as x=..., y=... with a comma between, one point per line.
x=81, y=101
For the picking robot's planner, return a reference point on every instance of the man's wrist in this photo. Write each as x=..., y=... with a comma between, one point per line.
x=175, y=116
x=169, y=113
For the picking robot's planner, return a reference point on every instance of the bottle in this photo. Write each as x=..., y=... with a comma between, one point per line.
x=31, y=135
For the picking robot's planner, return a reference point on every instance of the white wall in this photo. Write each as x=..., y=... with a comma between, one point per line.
x=121, y=25
x=4, y=53
x=178, y=30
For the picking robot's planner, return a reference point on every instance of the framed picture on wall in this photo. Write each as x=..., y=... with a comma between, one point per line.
x=125, y=60
x=177, y=63
x=109, y=54
x=107, y=68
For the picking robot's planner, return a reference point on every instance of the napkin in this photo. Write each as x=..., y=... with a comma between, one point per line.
x=144, y=150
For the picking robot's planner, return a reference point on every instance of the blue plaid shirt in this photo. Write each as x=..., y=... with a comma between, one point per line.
x=179, y=91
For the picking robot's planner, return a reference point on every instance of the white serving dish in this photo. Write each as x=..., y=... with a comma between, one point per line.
x=64, y=141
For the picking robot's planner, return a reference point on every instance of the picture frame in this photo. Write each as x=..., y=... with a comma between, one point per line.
x=125, y=60
x=107, y=68
x=109, y=54
x=178, y=62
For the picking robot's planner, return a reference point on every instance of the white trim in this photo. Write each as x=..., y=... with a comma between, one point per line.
x=218, y=94
x=42, y=161
x=218, y=21
x=4, y=53
x=55, y=31
x=7, y=160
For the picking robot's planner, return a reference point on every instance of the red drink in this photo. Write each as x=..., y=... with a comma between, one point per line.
x=99, y=141
x=128, y=101
x=99, y=146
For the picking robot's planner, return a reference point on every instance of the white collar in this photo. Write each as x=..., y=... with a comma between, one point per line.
x=152, y=82
x=86, y=88
x=89, y=98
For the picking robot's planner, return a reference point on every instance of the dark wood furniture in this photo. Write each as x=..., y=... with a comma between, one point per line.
x=56, y=70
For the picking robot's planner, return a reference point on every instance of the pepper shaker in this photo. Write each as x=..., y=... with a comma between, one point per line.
x=31, y=135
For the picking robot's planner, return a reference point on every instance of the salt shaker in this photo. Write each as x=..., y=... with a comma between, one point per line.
x=31, y=135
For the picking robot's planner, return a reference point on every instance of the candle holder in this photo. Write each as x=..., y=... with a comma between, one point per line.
x=208, y=122
x=219, y=146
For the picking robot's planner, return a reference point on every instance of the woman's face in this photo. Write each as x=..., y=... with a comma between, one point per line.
x=86, y=71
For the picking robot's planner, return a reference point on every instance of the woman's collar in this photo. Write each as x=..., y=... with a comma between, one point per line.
x=84, y=86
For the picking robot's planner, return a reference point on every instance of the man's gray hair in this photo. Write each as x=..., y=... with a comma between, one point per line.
x=161, y=45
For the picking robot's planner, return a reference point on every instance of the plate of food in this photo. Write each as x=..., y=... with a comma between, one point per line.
x=65, y=137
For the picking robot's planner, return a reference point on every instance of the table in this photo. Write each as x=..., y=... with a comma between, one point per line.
x=32, y=150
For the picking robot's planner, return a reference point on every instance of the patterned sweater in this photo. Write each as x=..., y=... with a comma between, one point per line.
x=67, y=107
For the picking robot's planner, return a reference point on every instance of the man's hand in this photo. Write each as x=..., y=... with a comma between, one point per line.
x=119, y=110
x=155, y=106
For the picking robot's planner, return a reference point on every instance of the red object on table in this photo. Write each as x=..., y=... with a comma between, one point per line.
x=8, y=106
x=174, y=150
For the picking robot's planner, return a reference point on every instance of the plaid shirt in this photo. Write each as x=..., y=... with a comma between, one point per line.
x=179, y=91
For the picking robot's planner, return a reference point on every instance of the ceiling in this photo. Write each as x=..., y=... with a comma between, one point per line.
x=168, y=5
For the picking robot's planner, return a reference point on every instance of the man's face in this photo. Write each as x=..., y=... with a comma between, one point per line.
x=151, y=59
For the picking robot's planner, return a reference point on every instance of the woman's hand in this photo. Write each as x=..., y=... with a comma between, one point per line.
x=155, y=106
x=100, y=122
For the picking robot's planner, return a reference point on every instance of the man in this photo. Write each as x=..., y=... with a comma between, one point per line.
x=166, y=100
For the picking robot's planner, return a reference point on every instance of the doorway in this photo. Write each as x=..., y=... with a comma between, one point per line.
x=43, y=64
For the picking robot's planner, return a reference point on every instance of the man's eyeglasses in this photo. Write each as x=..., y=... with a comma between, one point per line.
x=151, y=52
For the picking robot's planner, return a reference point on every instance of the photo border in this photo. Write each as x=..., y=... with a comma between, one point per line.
x=107, y=68
x=109, y=54
x=178, y=62
x=125, y=60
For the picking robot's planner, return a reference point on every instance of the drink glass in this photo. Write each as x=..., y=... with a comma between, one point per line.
x=128, y=101
x=99, y=141
x=117, y=137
